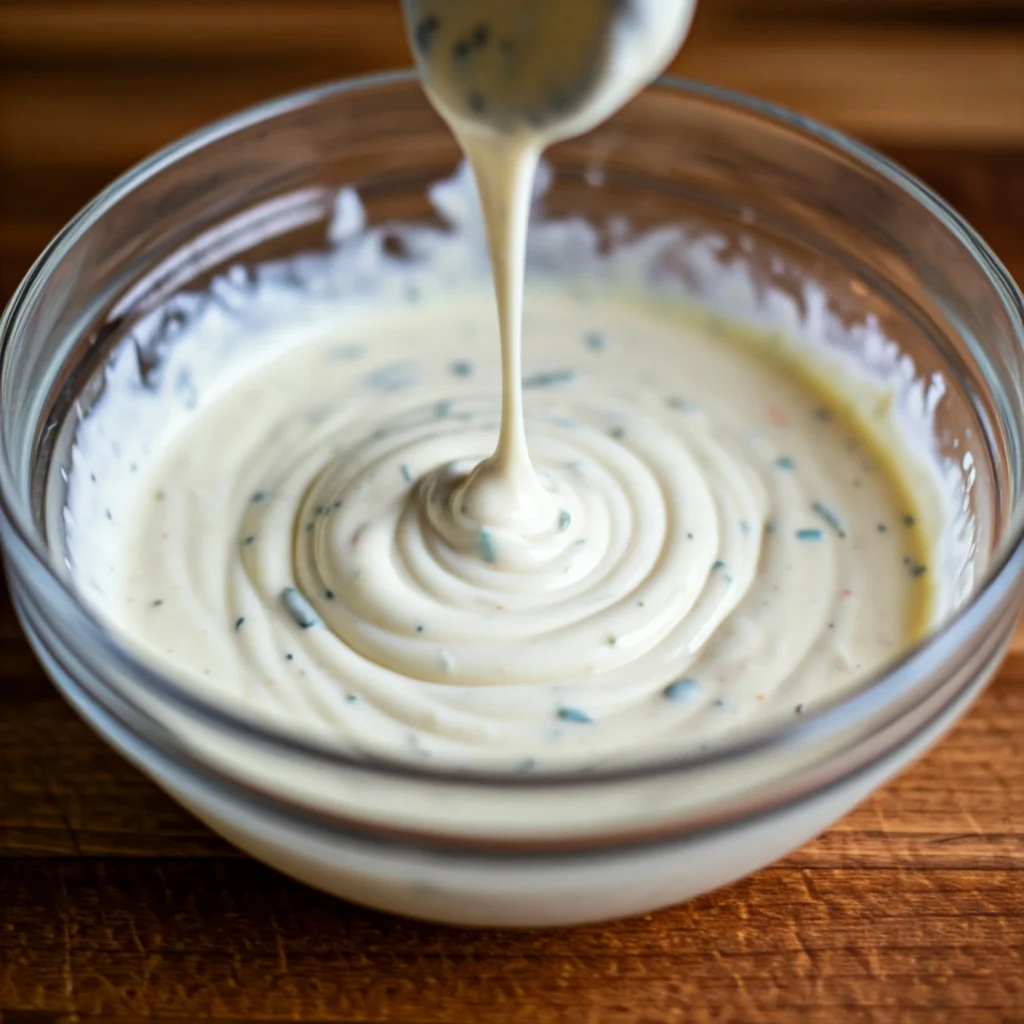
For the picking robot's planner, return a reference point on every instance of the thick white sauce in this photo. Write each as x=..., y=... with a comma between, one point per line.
x=664, y=535
x=729, y=547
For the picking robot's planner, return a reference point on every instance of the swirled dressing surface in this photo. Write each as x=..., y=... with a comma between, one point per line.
x=725, y=543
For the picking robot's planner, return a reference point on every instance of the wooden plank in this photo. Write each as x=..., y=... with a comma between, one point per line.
x=189, y=940
x=145, y=73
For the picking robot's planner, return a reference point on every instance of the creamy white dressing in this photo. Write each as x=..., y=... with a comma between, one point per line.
x=664, y=535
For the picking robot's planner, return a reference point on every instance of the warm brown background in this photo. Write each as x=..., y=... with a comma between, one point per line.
x=117, y=906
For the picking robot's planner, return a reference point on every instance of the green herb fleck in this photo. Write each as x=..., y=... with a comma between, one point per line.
x=392, y=378
x=595, y=341
x=551, y=379
x=574, y=715
x=830, y=517
x=785, y=462
x=486, y=545
x=681, y=690
x=425, y=32
x=239, y=622
x=914, y=567
x=809, y=534
x=298, y=608
x=564, y=519
x=681, y=404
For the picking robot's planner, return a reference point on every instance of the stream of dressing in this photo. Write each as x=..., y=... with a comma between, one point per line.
x=511, y=77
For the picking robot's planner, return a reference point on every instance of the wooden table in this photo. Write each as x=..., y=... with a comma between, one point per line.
x=115, y=905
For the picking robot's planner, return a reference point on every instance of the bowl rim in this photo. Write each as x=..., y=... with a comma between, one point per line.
x=889, y=689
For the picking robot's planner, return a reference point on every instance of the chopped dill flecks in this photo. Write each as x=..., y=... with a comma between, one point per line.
x=157, y=603
x=419, y=629
x=329, y=595
x=830, y=517
x=574, y=715
x=785, y=462
x=908, y=520
x=249, y=540
x=527, y=764
x=595, y=341
x=406, y=472
x=681, y=690
x=298, y=608
x=260, y=496
x=882, y=528
x=425, y=32
x=462, y=368
x=681, y=404
x=809, y=534
x=239, y=622
x=352, y=698
x=914, y=567
x=618, y=433
x=345, y=353
x=551, y=379
x=486, y=545
x=392, y=378
x=564, y=519
x=719, y=564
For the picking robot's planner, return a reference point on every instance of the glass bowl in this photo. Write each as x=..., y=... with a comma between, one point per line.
x=793, y=204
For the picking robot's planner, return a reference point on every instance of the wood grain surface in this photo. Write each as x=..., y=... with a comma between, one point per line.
x=116, y=905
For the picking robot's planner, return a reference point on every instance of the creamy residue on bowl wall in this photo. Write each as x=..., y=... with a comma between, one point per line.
x=264, y=505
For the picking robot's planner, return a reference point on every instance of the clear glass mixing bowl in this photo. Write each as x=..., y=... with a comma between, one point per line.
x=792, y=200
